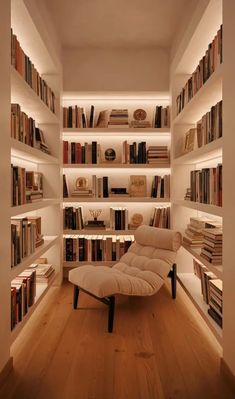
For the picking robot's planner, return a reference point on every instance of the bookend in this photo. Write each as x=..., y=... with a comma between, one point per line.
x=109, y=301
x=172, y=276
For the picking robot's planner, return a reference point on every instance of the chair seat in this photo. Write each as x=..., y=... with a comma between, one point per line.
x=104, y=281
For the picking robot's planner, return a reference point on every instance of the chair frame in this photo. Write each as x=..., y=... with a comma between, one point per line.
x=110, y=300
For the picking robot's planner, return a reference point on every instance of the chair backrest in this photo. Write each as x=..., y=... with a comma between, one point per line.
x=154, y=250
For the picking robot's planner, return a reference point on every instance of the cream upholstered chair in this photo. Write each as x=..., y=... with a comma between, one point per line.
x=141, y=271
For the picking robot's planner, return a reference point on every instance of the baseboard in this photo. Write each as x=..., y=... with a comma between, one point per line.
x=227, y=373
x=6, y=370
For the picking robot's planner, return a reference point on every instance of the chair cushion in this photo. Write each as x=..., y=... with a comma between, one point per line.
x=158, y=238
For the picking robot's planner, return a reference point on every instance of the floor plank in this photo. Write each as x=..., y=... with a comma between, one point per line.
x=160, y=349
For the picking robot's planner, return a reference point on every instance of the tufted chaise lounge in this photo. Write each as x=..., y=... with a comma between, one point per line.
x=140, y=272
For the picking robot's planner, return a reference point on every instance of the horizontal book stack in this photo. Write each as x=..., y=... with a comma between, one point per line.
x=26, y=186
x=161, y=187
x=118, y=118
x=162, y=117
x=118, y=218
x=207, y=65
x=22, y=63
x=73, y=218
x=216, y=300
x=212, y=245
x=75, y=153
x=94, y=248
x=24, y=130
x=25, y=237
x=206, y=185
x=23, y=292
x=194, y=232
x=160, y=217
x=210, y=127
x=158, y=154
x=44, y=271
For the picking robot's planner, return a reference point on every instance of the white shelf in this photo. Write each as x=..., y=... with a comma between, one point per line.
x=49, y=241
x=192, y=286
x=71, y=265
x=212, y=209
x=24, y=151
x=34, y=206
x=207, y=152
x=217, y=270
x=209, y=94
x=117, y=165
x=103, y=232
x=116, y=131
x=30, y=102
x=117, y=199
x=41, y=291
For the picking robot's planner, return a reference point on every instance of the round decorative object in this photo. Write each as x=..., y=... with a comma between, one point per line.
x=110, y=154
x=137, y=219
x=140, y=114
x=81, y=183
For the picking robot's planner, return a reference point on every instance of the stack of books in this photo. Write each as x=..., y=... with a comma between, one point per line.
x=194, y=232
x=212, y=245
x=44, y=271
x=158, y=154
x=118, y=118
x=81, y=192
x=73, y=218
x=216, y=300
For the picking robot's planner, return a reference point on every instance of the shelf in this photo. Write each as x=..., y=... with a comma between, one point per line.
x=217, y=270
x=77, y=264
x=30, y=102
x=117, y=199
x=41, y=291
x=207, y=152
x=106, y=232
x=192, y=286
x=212, y=209
x=117, y=165
x=34, y=206
x=209, y=94
x=49, y=241
x=116, y=131
x=24, y=151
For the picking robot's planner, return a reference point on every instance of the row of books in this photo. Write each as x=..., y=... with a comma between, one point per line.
x=26, y=186
x=161, y=217
x=212, y=291
x=25, y=237
x=22, y=63
x=78, y=117
x=212, y=245
x=23, y=129
x=23, y=288
x=161, y=187
x=207, y=65
x=95, y=248
x=206, y=185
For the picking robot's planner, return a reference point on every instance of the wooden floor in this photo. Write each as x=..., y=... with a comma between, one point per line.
x=160, y=348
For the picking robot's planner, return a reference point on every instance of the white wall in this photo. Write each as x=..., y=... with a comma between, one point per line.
x=119, y=69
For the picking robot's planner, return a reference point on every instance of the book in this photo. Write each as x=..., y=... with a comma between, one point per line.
x=138, y=186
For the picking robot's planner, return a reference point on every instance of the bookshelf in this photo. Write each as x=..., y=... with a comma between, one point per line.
x=14, y=89
x=207, y=156
x=116, y=171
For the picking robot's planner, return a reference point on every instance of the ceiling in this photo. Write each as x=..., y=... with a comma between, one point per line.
x=116, y=24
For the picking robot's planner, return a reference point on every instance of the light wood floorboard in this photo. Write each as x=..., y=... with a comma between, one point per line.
x=160, y=349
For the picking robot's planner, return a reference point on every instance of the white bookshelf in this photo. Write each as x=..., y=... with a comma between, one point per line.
x=24, y=151
x=209, y=151
x=117, y=166
x=206, y=208
x=142, y=200
x=34, y=206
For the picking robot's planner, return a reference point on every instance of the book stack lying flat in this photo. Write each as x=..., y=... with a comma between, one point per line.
x=23, y=292
x=118, y=118
x=158, y=154
x=94, y=248
x=194, y=232
x=118, y=218
x=160, y=217
x=212, y=245
x=82, y=192
x=216, y=300
x=73, y=218
x=44, y=272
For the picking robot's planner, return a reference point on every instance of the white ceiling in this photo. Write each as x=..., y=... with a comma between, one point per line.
x=117, y=23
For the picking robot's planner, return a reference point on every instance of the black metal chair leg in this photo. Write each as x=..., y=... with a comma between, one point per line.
x=111, y=313
x=173, y=281
x=75, y=296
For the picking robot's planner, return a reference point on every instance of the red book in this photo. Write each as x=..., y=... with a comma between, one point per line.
x=78, y=153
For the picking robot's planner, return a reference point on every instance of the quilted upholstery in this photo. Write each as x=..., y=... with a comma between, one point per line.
x=141, y=271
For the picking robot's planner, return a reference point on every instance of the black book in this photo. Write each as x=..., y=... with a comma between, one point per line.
x=105, y=187
x=69, y=249
x=132, y=153
x=162, y=187
x=83, y=120
x=94, y=152
x=158, y=116
x=83, y=154
x=91, y=124
x=73, y=153
x=140, y=153
x=144, y=152
x=66, y=218
x=70, y=116
x=81, y=249
x=65, y=188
